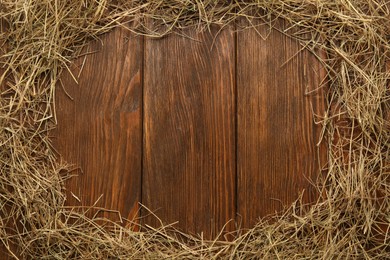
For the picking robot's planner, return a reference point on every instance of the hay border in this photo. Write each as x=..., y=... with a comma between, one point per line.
x=351, y=218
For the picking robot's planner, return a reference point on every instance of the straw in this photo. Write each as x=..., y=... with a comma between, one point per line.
x=39, y=39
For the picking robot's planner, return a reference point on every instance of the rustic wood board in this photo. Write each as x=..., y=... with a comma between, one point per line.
x=276, y=133
x=100, y=130
x=198, y=130
x=189, y=131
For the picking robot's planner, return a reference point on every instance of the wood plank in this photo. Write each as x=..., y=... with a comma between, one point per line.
x=276, y=133
x=100, y=131
x=189, y=131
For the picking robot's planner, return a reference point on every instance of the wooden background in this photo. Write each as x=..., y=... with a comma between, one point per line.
x=201, y=131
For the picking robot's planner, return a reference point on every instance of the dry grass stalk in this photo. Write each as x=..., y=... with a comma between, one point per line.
x=350, y=219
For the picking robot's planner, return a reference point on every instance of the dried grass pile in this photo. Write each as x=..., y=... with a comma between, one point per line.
x=39, y=38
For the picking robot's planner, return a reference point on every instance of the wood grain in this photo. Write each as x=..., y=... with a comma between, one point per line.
x=276, y=133
x=100, y=130
x=189, y=131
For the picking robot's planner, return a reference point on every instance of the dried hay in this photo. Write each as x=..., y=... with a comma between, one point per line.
x=350, y=219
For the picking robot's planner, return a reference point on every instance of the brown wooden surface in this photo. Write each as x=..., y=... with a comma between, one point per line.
x=276, y=132
x=100, y=129
x=189, y=131
x=196, y=130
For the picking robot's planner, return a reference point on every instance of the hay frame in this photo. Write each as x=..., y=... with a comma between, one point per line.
x=352, y=215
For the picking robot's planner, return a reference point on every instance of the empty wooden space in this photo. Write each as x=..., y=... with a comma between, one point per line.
x=99, y=125
x=276, y=133
x=200, y=129
x=189, y=131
